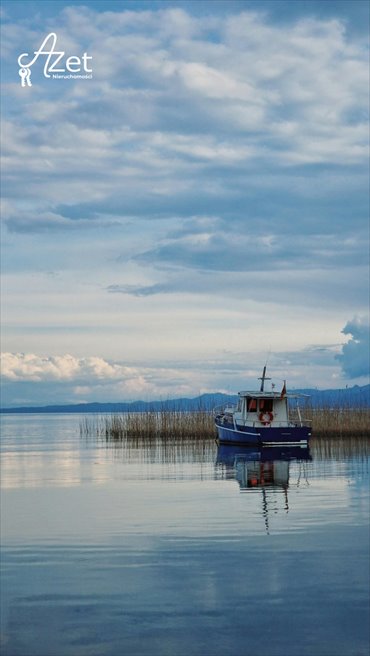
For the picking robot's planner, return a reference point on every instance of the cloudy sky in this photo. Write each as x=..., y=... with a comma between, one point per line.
x=197, y=206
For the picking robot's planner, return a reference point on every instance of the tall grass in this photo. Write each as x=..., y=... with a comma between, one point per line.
x=339, y=422
x=151, y=425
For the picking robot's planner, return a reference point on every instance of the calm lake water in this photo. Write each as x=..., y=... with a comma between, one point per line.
x=180, y=550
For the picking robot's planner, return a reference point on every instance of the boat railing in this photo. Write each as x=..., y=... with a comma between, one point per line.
x=289, y=423
x=282, y=424
x=224, y=408
x=296, y=419
x=300, y=422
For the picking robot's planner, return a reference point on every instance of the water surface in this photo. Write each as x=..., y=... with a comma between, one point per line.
x=180, y=549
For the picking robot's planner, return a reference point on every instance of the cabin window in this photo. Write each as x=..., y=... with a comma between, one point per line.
x=266, y=405
x=252, y=405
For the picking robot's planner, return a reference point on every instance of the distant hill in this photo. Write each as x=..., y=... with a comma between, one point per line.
x=205, y=401
x=357, y=396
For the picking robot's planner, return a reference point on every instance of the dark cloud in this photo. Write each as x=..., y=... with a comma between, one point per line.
x=139, y=290
x=50, y=222
x=355, y=356
x=279, y=288
x=246, y=248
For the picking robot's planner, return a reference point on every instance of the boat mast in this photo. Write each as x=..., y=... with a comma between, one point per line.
x=263, y=378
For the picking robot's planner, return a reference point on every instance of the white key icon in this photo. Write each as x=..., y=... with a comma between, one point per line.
x=25, y=74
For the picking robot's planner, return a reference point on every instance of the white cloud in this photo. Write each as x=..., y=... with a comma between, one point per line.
x=89, y=376
x=25, y=367
x=68, y=377
x=42, y=380
x=21, y=366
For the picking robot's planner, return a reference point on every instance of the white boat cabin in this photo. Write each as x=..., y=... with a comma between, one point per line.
x=260, y=409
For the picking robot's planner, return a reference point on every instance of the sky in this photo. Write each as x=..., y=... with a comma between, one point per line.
x=193, y=207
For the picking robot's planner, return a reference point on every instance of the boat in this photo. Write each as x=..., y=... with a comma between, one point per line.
x=263, y=418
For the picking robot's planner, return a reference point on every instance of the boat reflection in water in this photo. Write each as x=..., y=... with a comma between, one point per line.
x=266, y=469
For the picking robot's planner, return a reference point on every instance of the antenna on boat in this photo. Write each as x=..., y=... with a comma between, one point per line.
x=263, y=378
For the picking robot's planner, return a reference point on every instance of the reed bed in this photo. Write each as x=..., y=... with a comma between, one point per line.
x=151, y=425
x=339, y=422
x=173, y=425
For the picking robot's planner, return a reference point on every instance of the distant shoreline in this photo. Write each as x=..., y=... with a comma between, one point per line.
x=356, y=396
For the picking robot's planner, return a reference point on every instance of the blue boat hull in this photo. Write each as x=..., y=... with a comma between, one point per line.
x=248, y=435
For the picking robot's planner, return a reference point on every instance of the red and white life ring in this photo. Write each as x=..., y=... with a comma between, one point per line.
x=265, y=418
